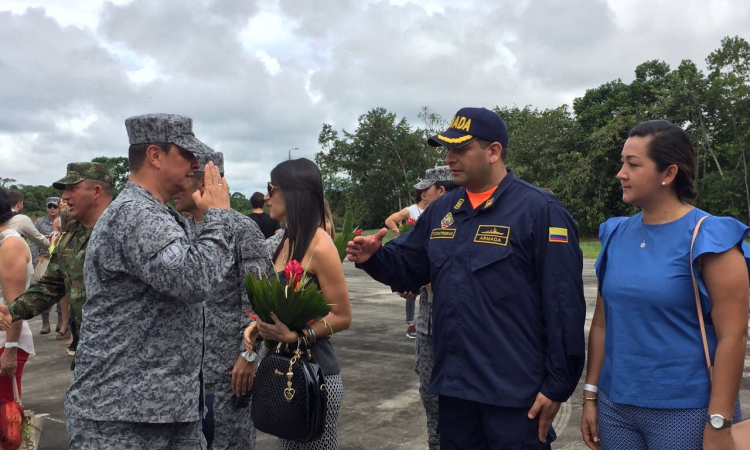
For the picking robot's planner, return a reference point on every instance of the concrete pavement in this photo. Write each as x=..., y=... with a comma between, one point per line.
x=382, y=409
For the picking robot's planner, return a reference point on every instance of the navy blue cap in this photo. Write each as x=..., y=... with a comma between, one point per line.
x=469, y=124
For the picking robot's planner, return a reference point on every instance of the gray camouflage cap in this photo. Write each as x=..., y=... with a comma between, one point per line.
x=165, y=128
x=432, y=176
x=53, y=201
x=216, y=157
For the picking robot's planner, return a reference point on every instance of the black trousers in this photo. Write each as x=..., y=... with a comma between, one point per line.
x=467, y=425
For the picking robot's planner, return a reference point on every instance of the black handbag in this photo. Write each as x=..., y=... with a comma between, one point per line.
x=290, y=395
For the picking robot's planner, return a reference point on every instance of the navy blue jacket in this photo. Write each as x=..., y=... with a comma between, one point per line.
x=508, y=310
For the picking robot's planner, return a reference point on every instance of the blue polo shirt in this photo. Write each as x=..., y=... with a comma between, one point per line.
x=508, y=307
x=653, y=348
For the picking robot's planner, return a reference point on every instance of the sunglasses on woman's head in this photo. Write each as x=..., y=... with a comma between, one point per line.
x=271, y=188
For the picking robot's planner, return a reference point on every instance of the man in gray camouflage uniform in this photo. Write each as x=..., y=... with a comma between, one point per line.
x=137, y=382
x=437, y=182
x=40, y=255
x=228, y=370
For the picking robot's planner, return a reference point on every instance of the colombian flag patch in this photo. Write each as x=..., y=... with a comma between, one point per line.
x=558, y=235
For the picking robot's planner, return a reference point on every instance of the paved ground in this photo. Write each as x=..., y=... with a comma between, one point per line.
x=381, y=408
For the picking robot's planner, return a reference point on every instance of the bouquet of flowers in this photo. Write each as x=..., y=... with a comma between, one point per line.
x=406, y=226
x=347, y=234
x=296, y=303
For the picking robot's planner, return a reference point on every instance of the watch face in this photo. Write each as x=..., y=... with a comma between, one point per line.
x=717, y=421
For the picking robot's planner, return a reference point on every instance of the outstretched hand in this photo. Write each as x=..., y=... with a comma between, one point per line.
x=363, y=247
x=216, y=191
x=5, y=318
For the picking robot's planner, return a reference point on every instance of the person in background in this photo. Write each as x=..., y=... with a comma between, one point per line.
x=424, y=360
x=267, y=225
x=228, y=371
x=16, y=272
x=330, y=224
x=647, y=383
x=45, y=225
x=410, y=212
x=26, y=228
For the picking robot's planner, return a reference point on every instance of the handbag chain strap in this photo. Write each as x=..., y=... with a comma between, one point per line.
x=698, y=302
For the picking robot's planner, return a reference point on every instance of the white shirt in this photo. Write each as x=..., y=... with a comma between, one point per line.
x=25, y=341
x=414, y=211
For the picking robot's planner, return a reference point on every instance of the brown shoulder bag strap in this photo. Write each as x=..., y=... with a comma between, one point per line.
x=698, y=301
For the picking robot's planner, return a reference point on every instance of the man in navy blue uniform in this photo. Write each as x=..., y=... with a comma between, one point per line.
x=508, y=313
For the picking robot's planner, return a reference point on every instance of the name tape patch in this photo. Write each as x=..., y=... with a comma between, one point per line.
x=493, y=234
x=558, y=235
x=443, y=233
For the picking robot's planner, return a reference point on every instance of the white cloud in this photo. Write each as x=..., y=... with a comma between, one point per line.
x=269, y=62
x=262, y=77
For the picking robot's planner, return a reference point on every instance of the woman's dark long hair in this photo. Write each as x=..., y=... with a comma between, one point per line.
x=301, y=185
x=5, y=212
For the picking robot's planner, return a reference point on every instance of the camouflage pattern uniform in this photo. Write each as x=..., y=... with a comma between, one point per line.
x=138, y=362
x=64, y=275
x=39, y=254
x=225, y=320
x=424, y=362
x=44, y=225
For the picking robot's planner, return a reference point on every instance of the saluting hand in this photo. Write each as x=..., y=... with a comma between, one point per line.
x=5, y=318
x=546, y=409
x=363, y=247
x=216, y=191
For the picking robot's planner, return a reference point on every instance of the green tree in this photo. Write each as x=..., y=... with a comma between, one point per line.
x=120, y=168
x=372, y=171
x=240, y=203
x=728, y=110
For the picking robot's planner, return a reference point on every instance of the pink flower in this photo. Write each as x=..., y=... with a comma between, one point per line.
x=293, y=271
x=411, y=221
x=358, y=232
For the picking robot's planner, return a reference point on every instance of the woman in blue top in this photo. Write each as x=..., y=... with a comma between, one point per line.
x=647, y=385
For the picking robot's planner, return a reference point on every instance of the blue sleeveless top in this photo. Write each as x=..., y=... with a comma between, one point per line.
x=653, y=348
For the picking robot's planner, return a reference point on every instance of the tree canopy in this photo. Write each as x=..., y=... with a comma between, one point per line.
x=575, y=152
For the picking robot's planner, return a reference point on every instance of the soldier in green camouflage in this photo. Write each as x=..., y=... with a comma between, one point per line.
x=88, y=190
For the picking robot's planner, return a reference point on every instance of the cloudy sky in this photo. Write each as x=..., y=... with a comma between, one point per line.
x=260, y=78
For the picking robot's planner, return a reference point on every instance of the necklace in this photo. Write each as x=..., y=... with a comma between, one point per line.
x=643, y=240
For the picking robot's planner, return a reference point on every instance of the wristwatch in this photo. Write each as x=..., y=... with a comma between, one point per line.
x=718, y=422
x=251, y=358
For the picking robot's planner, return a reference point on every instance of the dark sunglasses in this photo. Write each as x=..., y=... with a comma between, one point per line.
x=51, y=206
x=271, y=188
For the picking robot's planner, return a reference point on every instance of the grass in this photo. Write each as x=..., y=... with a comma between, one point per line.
x=590, y=247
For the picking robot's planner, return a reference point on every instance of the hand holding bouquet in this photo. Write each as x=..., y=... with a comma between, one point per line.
x=291, y=305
